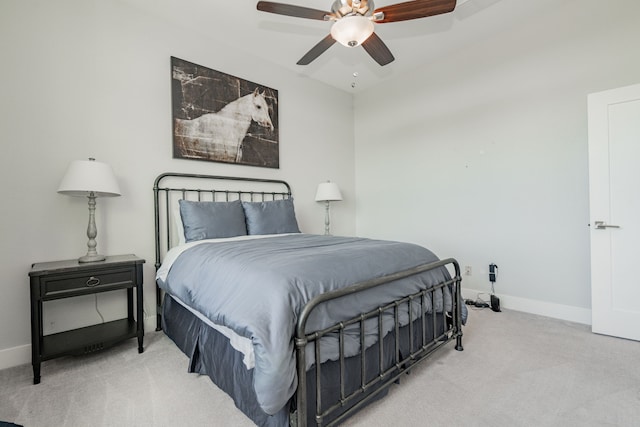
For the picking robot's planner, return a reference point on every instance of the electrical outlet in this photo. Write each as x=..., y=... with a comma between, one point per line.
x=467, y=270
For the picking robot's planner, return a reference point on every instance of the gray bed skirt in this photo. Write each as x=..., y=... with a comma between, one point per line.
x=211, y=354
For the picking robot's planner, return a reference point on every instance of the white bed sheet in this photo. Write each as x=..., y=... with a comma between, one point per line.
x=239, y=343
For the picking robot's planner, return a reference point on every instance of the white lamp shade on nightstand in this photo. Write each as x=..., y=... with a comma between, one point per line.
x=86, y=176
x=328, y=192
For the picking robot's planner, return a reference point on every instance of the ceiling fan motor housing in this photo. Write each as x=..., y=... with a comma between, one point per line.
x=352, y=7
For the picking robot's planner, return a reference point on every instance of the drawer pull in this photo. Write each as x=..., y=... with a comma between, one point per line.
x=93, y=281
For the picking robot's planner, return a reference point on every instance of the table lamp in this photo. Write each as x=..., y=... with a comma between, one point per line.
x=91, y=179
x=327, y=193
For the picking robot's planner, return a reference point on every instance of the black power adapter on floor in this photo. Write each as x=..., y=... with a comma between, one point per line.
x=493, y=275
x=495, y=303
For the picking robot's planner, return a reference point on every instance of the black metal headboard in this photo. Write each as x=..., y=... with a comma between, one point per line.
x=170, y=187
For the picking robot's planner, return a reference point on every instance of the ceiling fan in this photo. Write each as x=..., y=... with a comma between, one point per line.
x=353, y=22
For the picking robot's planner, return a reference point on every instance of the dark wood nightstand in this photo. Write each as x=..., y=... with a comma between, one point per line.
x=66, y=279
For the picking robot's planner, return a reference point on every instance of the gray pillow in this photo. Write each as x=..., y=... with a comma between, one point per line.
x=271, y=217
x=211, y=220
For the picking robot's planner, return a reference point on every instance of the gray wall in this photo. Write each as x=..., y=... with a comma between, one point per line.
x=483, y=154
x=92, y=79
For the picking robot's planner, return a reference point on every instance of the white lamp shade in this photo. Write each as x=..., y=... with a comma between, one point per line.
x=328, y=192
x=86, y=176
x=351, y=31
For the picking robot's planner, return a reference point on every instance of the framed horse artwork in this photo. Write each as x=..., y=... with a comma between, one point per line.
x=221, y=118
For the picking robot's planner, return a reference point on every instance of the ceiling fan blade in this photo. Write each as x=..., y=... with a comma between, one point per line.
x=414, y=9
x=378, y=50
x=317, y=50
x=292, y=10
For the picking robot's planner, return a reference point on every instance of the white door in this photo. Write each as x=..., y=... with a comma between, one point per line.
x=614, y=189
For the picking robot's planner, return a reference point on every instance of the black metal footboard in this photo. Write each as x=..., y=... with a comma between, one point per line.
x=425, y=335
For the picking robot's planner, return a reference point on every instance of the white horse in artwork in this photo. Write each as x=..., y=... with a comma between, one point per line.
x=219, y=135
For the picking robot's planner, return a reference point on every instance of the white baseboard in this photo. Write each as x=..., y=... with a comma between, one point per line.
x=21, y=355
x=150, y=323
x=15, y=356
x=542, y=308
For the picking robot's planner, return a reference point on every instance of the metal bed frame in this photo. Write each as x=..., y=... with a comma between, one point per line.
x=420, y=345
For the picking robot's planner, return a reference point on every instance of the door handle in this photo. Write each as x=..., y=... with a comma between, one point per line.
x=601, y=225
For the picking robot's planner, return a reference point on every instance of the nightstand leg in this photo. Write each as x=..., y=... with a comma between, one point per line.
x=140, y=309
x=36, y=330
x=36, y=373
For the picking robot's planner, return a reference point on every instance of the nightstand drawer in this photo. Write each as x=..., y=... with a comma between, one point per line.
x=54, y=285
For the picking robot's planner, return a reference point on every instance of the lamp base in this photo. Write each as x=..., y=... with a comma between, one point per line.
x=92, y=258
x=92, y=255
x=327, y=219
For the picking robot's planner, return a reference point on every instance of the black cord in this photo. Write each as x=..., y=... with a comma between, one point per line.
x=478, y=303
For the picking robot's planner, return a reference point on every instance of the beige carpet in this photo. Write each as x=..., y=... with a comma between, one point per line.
x=516, y=370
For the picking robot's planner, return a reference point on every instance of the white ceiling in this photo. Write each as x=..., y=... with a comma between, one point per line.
x=284, y=40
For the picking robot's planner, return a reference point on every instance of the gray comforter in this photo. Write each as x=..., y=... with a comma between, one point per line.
x=258, y=287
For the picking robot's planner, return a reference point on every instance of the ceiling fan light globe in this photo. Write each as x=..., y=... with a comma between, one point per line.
x=351, y=31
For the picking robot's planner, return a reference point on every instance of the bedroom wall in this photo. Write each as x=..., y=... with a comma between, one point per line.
x=484, y=154
x=92, y=79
